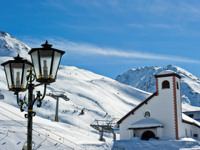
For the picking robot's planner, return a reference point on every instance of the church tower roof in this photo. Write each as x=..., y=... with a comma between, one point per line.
x=167, y=73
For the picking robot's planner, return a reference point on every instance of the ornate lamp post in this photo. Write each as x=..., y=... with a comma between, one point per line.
x=20, y=77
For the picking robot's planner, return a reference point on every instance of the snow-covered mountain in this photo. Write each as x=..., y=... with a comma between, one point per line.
x=143, y=78
x=100, y=97
x=10, y=46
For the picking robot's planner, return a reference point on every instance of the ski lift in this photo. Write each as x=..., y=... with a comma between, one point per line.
x=116, y=128
x=25, y=146
x=1, y=95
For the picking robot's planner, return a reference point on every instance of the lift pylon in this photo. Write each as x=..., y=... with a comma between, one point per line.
x=106, y=126
x=56, y=95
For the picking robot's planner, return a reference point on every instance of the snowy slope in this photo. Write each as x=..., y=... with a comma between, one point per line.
x=99, y=96
x=143, y=78
x=60, y=136
x=102, y=98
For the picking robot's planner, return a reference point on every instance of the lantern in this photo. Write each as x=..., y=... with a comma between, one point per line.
x=46, y=61
x=16, y=71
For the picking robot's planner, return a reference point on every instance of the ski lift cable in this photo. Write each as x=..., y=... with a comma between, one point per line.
x=41, y=127
x=38, y=126
x=35, y=130
x=54, y=140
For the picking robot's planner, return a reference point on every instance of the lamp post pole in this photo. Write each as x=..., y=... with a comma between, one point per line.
x=57, y=103
x=30, y=113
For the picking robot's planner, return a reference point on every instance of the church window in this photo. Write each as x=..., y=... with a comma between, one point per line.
x=185, y=132
x=147, y=114
x=165, y=85
x=195, y=135
x=177, y=85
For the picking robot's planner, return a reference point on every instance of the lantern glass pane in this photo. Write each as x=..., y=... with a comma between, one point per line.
x=8, y=74
x=16, y=69
x=26, y=68
x=56, y=61
x=45, y=61
x=35, y=60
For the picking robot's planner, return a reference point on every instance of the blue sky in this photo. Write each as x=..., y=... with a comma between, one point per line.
x=109, y=37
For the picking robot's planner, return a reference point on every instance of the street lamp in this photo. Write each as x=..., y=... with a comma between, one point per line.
x=46, y=61
x=16, y=71
x=20, y=77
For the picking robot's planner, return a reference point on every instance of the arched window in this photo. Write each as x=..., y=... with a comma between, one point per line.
x=147, y=114
x=165, y=85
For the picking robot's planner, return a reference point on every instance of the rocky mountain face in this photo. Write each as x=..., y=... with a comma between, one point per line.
x=10, y=46
x=143, y=78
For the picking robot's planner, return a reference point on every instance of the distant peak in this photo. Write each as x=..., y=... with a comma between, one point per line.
x=2, y=33
x=10, y=46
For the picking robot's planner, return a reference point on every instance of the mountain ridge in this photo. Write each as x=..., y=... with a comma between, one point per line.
x=10, y=46
x=143, y=78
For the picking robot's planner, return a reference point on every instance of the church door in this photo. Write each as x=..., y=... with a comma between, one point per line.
x=147, y=135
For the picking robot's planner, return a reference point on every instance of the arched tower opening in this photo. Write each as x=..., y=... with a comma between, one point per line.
x=165, y=85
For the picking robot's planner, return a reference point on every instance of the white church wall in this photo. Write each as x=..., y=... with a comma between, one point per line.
x=186, y=130
x=125, y=134
x=179, y=106
x=162, y=108
x=159, y=132
x=157, y=111
x=192, y=130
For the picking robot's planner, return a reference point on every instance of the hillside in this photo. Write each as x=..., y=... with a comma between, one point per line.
x=100, y=97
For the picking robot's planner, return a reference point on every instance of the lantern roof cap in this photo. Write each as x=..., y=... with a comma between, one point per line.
x=17, y=59
x=46, y=45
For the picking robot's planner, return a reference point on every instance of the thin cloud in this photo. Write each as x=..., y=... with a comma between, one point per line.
x=164, y=26
x=154, y=25
x=136, y=25
x=89, y=49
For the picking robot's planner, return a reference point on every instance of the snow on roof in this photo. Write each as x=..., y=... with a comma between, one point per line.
x=191, y=120
x=166, y=72
x=145, y=123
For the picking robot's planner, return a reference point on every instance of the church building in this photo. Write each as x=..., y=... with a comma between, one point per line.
x=160, y=115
